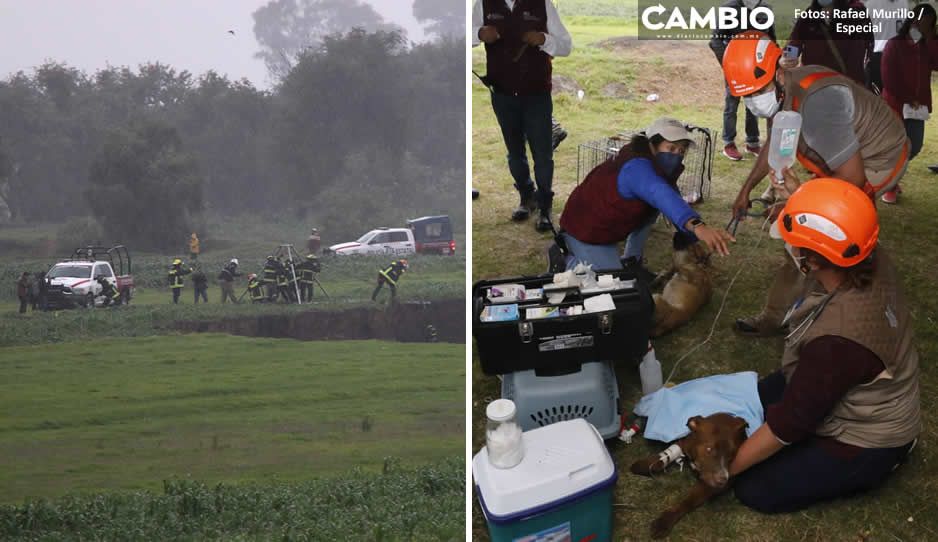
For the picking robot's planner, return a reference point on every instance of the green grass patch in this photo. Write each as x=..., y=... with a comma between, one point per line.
x=118, y=414
x=401, y=503
x=506, y=249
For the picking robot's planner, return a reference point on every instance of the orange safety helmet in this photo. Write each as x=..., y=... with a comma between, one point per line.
x=833, y=218
x=749, y=62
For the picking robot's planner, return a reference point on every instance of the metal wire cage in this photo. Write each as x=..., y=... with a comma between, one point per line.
x=694, y=183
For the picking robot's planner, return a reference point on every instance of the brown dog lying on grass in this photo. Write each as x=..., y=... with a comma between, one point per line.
x=709, y=448
x=688, y=289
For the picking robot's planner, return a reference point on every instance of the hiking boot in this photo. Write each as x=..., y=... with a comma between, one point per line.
x=756, y=326
x=475, y=194
x=527, y=206
x=753, y=149
x=730, y=151
x=543, y=223
x=890, y=197
x=558, y=134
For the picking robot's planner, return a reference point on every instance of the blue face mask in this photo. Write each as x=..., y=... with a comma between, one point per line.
x=670, y=163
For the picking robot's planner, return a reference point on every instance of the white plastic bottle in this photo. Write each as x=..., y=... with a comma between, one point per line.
x=783, y=148
x=650, y=372
x=503, y=434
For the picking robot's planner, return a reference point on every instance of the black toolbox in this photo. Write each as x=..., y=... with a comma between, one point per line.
x=561, y=344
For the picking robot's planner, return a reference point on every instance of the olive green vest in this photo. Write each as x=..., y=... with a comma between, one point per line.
x=884, y=145
x=884, y=413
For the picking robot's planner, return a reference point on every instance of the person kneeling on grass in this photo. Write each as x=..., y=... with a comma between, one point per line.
x=843, y=411
x=620, y=200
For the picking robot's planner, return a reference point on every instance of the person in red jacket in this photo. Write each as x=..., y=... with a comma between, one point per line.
x=908, y=61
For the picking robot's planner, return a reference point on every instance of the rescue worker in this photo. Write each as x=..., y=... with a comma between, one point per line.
x=194, y=248
x=255, y=289
x=847, y=132
x=110, y=294
x=226, y=279
x=200, y=284
x=307, y=270
x=42, y=284
x=843, y=411
x=283, y=280
x=314, y=242
x=176, y=272
x=270, y=278
x=390, y=275
x=22, y=291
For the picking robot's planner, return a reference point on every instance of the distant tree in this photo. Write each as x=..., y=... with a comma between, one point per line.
x=441, y=17
x=285, y=28
x=144, y=189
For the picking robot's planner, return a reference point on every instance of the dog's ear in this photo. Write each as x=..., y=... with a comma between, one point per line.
x=694, y=422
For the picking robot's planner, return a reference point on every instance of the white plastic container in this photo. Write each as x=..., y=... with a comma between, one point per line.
x=503, y=434
x=783, y=148
x=561, y=490
x=650, y=372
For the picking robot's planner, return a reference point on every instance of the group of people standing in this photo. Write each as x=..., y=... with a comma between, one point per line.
x=280, y=280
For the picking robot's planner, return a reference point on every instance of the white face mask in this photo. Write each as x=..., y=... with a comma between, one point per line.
x=799, y=260
x=915, y=34
x=763, y=105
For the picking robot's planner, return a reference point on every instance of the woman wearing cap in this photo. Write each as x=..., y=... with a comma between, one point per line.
x=620, y=199
x=843, y=411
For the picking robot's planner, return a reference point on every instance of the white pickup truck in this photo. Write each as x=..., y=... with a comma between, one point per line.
x=390, y=241
x=72, y=282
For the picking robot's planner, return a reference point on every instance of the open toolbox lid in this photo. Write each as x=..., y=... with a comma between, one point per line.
x=562, y=462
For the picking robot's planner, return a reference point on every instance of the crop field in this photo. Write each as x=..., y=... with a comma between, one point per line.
x=617, y=73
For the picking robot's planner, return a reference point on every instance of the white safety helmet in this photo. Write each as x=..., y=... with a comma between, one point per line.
x=234, y=261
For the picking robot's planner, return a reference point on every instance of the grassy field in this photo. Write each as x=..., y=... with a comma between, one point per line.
x=616, y=75
x=119, y=414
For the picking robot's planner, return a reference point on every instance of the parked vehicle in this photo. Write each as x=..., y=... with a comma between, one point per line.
x=72, y=281
x=391, y=241
x=433, y=235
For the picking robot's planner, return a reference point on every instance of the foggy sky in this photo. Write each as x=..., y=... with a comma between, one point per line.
x=185, y=34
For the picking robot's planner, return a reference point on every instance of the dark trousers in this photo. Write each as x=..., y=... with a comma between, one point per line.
x=24, y=302
x=804, y=473
x=874, y=75
x=527, y=120
x=730, y=107
x=201, y=292
x=381, y=282
x=176, y=292
x=227, y=291
x=915, y=129
x=306, y=291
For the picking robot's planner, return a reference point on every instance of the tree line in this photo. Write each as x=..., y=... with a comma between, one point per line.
x=363, y=129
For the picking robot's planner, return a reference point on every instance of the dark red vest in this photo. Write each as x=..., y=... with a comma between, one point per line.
x=531, y=73
x=595, y=213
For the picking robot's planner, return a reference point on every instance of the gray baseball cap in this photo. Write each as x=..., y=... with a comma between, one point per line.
x=670, y=129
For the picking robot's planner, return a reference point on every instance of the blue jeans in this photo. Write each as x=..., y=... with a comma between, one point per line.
x=804, y=473
x=601, y=257
x=635, y=242
x=527, y=120
x=730, y=106
x=915, y=129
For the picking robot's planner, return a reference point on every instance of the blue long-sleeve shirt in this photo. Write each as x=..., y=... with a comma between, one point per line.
x=639, y=180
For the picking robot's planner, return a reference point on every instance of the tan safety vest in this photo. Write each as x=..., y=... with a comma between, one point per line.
x=884, y=145
x=884, y=413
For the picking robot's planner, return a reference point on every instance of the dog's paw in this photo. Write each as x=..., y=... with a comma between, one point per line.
x=662, y=526
x=647, y=467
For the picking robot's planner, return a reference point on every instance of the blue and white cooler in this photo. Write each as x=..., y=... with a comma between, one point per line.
x=560, y=492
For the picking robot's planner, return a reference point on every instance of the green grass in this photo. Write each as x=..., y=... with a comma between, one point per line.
x=117, y=414
x=688, y=78
x=401, y=503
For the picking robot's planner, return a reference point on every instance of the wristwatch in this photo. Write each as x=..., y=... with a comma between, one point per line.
x=695, y=223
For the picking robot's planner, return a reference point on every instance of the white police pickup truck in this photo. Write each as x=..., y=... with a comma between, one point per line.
x=72, y=282
x=390, y=241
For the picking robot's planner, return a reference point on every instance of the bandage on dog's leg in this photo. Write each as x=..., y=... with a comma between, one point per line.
x=671, y=454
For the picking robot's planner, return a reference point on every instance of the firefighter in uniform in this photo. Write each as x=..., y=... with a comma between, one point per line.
x=390, y=275
x=270, y=278
x=255, y=289
x=283, y=280
x=226, y=279
x=176, y=272
x=308, y=270
x=111, y=295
